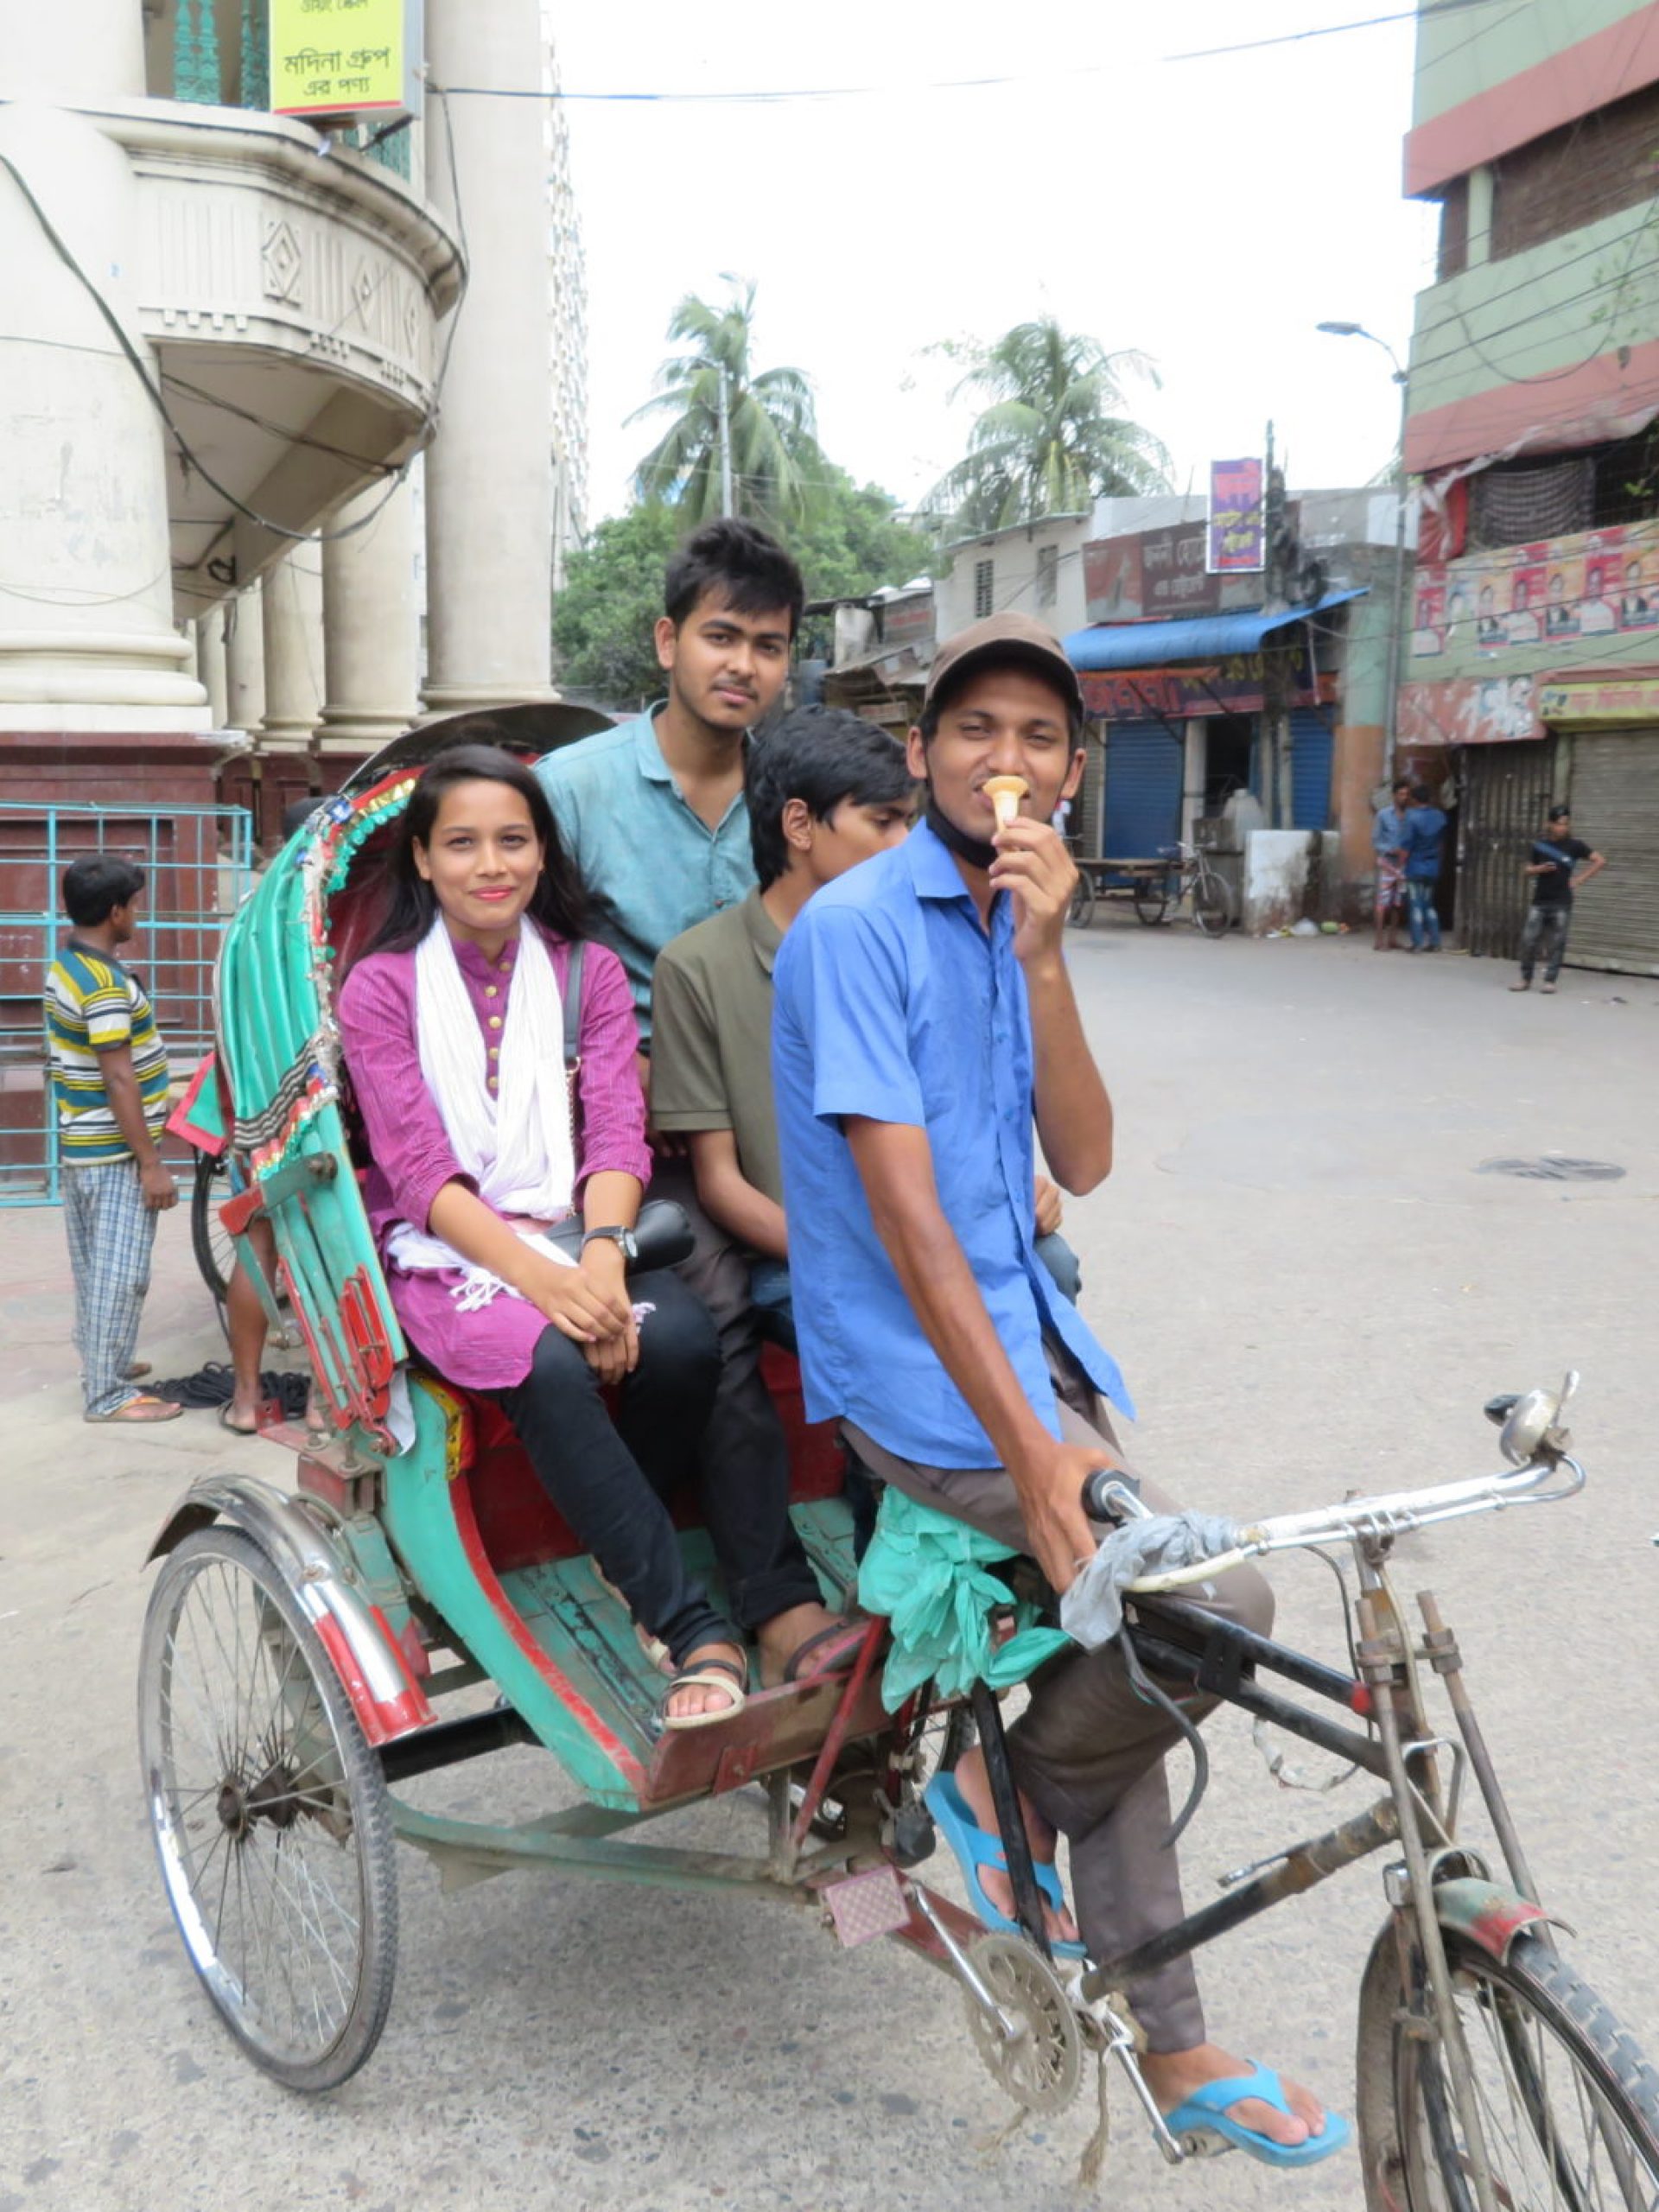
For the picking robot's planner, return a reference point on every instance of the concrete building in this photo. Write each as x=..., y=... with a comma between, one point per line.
x=1530, y=667
x=226, y=334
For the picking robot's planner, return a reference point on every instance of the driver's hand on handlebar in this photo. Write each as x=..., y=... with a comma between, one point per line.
x=1061, y=1536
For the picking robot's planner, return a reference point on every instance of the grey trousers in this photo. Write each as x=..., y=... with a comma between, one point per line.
x=1087, y=1751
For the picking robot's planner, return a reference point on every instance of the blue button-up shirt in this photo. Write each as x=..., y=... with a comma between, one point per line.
x=1387, y=829
x=652, y=866
x=893, y=1002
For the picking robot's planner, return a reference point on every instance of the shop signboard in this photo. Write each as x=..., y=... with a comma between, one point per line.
x=1600, y=696
x=1469, y=710
x=1228, y=686
x=336, y=61
x=1174, y=577
x=1237, y=538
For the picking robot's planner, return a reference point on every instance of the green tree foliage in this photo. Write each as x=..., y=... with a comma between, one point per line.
x=851, y=542
x=769, y=414
x=1054, y=437
x=613, y=595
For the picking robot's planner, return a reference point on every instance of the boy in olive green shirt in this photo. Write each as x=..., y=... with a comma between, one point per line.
x=825, y=790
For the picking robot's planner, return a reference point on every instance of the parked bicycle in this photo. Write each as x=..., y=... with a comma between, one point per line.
x=1190, y=876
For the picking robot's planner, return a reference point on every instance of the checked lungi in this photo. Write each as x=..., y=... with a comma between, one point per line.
x=111, y=1232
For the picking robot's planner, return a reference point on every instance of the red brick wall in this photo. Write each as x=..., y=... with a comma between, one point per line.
x=1591, y=168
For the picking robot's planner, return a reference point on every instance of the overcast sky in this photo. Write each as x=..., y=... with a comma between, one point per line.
x=1207, y=212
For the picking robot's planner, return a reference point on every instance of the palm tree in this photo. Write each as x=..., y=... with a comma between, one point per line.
x=1051, y=440
x=769, y=420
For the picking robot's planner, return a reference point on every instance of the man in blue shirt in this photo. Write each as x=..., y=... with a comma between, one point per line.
x=1420, y=850
x=1388, y=836
x=923, y=1015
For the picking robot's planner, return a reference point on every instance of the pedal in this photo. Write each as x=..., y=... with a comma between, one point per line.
x=866, y=1906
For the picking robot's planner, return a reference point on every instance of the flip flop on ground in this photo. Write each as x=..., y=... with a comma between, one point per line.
x=1205, y=2112
x=138, y=1410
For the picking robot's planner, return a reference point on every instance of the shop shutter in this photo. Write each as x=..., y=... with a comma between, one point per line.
x=1504, y=792
x=1143, y=790
x=1615, y=799
x=1309, y=769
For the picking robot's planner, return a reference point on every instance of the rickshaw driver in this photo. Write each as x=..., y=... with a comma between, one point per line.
x=923, y=1014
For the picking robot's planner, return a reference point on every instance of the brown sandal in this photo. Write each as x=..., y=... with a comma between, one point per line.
x=136, y=1412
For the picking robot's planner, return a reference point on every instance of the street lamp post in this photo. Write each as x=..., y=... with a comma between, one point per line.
x=1396, y=625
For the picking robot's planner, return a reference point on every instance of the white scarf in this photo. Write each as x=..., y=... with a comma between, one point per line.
x=517, y=1145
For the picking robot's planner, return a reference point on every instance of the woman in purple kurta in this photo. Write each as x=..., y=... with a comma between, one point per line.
x=478, y=868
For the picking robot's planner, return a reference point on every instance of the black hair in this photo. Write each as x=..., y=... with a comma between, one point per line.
x=928, y=720
x=1401, y=784
x=95, y=885
x=822, y=756
x=560, y=901
x=751, y=572
x=1560, y=813
x=1422, y=794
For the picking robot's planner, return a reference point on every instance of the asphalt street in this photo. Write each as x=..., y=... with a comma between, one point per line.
x=1312, y=1287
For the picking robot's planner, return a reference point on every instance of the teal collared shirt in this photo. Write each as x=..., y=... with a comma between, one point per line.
x=652, y=867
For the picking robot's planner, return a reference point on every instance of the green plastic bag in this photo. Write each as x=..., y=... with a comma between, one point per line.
x=929, y=1573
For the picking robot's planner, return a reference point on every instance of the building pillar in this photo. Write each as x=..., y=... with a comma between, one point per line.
x=369, y=632
x=244, y=660
x=291, y=601
x=489, y=489
x=210, y=665
x=86, y=635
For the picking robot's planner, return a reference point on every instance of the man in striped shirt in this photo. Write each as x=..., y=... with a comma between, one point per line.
x=110, y=1085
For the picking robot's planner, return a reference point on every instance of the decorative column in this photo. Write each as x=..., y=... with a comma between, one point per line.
x=369, y=639
x=291, y=598
x=86, y=638
x=489, y=490
x=244, y=660
x=210, y=665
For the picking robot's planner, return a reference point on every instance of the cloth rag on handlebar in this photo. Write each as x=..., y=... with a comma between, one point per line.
x=930, y=1574
x=1091, y=1610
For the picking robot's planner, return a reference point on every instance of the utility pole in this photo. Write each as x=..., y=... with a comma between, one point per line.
x=1276, y=660
x=725, y=448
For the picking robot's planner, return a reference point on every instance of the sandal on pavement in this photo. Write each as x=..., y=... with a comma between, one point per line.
x=975, y=1846
x=136, y=1411
x=831, y=1651
x=1205, y=2112
x=731, y=1675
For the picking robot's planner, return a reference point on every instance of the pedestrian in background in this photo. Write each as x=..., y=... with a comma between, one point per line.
x=110, y=1084
x=1555, y=857
x=1419, y=857
x=1388, y=839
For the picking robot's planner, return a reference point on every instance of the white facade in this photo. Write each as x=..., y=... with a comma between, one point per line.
x=1031, y=568
x=306, y=319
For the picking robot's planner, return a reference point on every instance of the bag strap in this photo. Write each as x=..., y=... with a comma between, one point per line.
x=573, y=1009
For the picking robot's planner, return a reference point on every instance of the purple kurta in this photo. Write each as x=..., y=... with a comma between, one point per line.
x=492, y=1348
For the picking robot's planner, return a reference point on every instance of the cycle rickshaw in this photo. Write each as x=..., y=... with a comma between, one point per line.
x=303, y=1649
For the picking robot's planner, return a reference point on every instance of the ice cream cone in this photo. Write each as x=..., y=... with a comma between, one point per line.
x=1006, y=793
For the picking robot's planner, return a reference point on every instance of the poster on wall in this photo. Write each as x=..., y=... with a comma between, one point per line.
x=1235, y=541
x=1638, y=595
x=1523, y=623
x=1593, y=585
x=1429, y=631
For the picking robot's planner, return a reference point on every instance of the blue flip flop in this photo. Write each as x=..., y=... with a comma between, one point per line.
x=975, y=1847
x=1205, y=2112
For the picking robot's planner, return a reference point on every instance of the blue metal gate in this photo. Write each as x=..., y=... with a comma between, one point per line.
x=197, y=864
x=1309, y=769
x=1142, y=811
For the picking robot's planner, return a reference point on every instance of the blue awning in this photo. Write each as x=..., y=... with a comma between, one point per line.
x=1198, y=636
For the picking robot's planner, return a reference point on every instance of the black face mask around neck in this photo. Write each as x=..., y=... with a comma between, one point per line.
x=971, y=849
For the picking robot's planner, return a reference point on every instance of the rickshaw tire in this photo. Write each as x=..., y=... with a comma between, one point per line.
x=1408, y=2140
x=1151, y=898
x=1081, y=912
x=361, y=1783
x=203, y=1198
x=1212, y=907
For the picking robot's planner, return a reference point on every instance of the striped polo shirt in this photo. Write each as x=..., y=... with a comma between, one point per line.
x=93, y=1005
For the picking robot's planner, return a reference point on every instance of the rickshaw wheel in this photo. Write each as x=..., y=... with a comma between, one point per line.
x=1040, y=2064
x=268, y=1812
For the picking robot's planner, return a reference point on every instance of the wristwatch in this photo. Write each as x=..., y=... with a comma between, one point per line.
x=622, y=1238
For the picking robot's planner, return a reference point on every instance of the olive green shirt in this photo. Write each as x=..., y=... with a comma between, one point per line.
x=711, y=1037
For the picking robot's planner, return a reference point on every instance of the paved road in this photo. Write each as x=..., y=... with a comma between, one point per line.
x=1310, y=1287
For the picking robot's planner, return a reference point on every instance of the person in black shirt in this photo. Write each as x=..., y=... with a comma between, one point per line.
x=1560, y=863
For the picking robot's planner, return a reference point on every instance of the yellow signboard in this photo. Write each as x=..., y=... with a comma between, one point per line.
x=339, y=59
x=1600, y=698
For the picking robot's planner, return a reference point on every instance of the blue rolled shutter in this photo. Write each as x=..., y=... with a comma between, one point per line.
x=1309, y=769
x=1143, y=791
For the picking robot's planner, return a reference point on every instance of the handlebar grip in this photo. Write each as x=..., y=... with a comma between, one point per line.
x=1104, y=1492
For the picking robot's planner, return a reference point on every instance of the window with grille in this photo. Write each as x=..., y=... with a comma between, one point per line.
x=983, y=571
x=1048, y=574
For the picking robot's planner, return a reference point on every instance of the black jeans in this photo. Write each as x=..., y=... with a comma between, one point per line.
x=607, y=1476
x=1545, y=928
x=745, y=1457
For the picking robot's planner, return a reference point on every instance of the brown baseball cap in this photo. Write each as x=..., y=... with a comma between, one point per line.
x=997, y=640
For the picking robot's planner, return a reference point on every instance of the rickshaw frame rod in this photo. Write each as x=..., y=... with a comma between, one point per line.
x=1168, y=1659
x=476, y=1850
x=448, y=1742
x=1010, y=1821
x=840, y=1726
x=1218, y=1646
x=1303, y=1868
